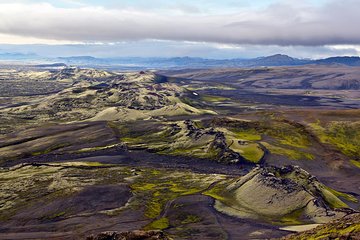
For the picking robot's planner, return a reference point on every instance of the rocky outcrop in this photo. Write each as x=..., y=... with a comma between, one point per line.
x=219, y=145
x=226, y=155
x=133, y=235
x=282, y=193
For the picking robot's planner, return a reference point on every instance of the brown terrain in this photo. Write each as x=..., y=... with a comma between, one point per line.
x=254, y=153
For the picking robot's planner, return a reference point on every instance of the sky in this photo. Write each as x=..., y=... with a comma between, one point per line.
x=164, y=28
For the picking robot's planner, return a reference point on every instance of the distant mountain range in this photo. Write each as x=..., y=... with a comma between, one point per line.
x=18, y=56
x=178, y=62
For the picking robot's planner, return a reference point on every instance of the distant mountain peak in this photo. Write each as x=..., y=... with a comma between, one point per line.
x=79, y=57
x=277, y=60
x=279, y=56
x=17, y=56
x=344, y=60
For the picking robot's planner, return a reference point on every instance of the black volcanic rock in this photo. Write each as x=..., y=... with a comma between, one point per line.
x=133, y=235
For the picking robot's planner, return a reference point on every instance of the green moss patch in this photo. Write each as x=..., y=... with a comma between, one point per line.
x=290, y=153
x=292, y=218
x=159, y=224
x=213, y=98
x=355, y=163
x=247, y=134
x=252, y=152
x=191, y=219
x=50, y=149
x=287, y=134
x=345, y=196
x=344, y=135
x=217, y=192
x=156, y=189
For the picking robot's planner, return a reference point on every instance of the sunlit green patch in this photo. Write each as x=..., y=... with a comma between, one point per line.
x=198, y=124
x=344, y=135
x=284, y=133
x=290, y=153
x=247, y=148
x=331, y=198
x=132, y=140
x=247, y=134
x=193, y=151
x=292, y=218
x=94, y=164
x=50, y=149
x=191, y=219
x=162, y=192
x=355, y=163
x=345, y=196
x=155, y=172
x=216, y=192
x=151, y=139
x=156, y=189
x=288, y=134
x=252, y=153
x=154, y=207
x=159, y=224
x=94, y=149
x=213, y=98
x=143, y=186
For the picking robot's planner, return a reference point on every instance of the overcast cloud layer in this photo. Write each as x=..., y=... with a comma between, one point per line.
x=282, y=23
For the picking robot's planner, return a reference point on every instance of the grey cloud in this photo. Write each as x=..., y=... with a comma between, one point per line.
x=280, y=24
